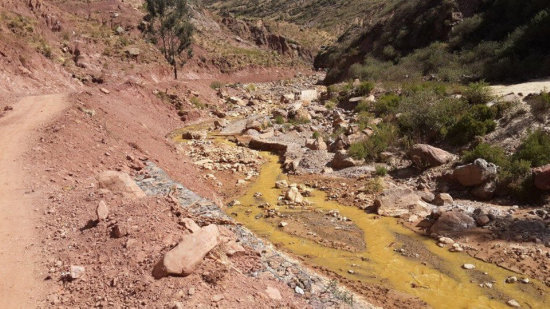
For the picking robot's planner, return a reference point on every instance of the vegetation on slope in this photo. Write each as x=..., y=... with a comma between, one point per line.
x=451, y=40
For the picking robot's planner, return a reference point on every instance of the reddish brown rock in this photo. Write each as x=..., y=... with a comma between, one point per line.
x=189, y=253
x=120, y=183
x=424, y=155
x=475, y=174
x=452, y=222
x=401, y=203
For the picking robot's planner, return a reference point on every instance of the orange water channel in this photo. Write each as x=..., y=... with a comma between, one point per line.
x=447, y=286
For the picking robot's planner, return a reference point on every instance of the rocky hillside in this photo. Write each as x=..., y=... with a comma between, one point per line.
x=331, y=16
x=448, y=40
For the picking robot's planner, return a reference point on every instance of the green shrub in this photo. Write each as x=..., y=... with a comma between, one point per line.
x=478, y=93
x=364, y=88
x=363, y=106
x=386, y=105
x=494, y=154
x=316, y=135
x=330, y=104
x=467, y=128
x=514, y=174
x=370, y=149
x=279, y=119
x=197, y=103
x=216, y=85
x=427, y=116
x=381, y=170
x=250, y=88
x=540, y=104
x=364, y=119
x=535, y=149
x=478, y=121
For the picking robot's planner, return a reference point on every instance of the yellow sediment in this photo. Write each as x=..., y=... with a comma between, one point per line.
x=449, y=286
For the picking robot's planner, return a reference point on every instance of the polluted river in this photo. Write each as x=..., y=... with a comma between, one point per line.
x=371, y=249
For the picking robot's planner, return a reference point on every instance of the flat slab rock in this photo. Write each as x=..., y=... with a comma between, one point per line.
x=189, y=253
x=120, y=183
x=401, y=202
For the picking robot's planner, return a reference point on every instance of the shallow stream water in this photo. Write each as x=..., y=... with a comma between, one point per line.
x=440, y=280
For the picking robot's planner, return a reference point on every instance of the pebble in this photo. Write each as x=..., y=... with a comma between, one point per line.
x=216, y=298
x=525, y=280
x=513, y=303
x=456, y=248
x=468, y=266
x=283, y=224
x=350, y=271
x=446, y=240
x=76, y=272
x=299, y=290
x=511, y=279
x=191, y=291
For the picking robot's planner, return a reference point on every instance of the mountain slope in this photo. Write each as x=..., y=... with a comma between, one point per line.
x=453, y=40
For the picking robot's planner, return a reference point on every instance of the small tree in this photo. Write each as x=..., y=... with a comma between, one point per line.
x=170, y=23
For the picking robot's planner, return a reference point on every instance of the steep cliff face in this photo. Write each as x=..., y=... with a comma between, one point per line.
x=262, y=36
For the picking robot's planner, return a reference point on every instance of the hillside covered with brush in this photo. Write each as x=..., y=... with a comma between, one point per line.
x=451, y=40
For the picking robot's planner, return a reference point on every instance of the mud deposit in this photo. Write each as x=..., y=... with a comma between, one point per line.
x=365, y=248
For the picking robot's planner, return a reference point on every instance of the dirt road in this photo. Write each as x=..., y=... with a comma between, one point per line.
x=20, y=285
x=534, y=87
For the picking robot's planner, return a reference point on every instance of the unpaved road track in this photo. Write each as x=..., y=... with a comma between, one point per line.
x=532, y=87
x=20, y=285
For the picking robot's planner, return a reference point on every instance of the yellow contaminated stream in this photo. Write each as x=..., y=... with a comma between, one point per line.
x=449, y=286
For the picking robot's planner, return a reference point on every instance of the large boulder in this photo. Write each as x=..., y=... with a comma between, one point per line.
x=401, y=202
x=451, y=223
x=316, y=144
x=424, y=155
x=265, y=145
x=189, y=253
x=302, y=114
x=475, y=174
x=253, y=124
x=309, y=95
x=120, y=183
x=293, y=195
x=197, y=135
x=485, y=191
x=341, y=142
x=542, y=177
x=342, y=160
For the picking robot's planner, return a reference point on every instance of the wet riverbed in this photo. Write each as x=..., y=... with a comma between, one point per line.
x=394, y=257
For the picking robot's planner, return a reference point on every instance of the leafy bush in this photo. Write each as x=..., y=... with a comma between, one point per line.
x=535, y=149
x=364, y=119
x=279, y=119
x=386, y=105
x=216, y=85
x=427, y=116
x=467, y=128
x=381, y=170
x=330, y=104
x=197, y=103
x=363, y=106
x=364, y=88
x=370, y=149
x=485, y=151
x=541, y=103
x=478, y=93
x=514, y=173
